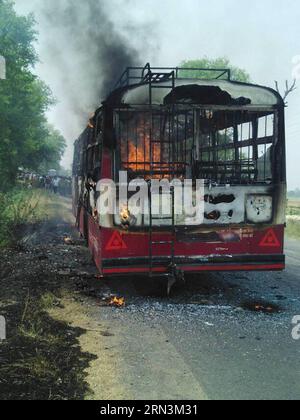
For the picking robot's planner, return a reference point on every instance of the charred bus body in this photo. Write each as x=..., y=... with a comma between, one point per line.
x=156, y=124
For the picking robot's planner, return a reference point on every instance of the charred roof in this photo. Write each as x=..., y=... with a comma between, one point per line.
x=154, y=86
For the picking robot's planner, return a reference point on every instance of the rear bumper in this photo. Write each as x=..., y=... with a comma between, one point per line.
x=127, y=266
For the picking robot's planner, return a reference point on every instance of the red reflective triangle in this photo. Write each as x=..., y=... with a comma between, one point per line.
x=270, y=239
x=116, y=242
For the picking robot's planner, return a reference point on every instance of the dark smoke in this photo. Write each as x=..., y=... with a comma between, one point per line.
x=87, y=51
x=85, y=45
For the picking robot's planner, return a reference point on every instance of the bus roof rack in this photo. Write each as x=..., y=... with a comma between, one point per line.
x=148, y=74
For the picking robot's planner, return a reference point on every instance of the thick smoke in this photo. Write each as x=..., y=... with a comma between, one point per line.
x=84, y=52
x=88, y=52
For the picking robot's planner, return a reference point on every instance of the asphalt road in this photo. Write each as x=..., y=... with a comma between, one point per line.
x=205, y=342
x=222, y=336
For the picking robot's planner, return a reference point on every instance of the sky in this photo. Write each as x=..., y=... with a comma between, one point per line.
x=261, y=36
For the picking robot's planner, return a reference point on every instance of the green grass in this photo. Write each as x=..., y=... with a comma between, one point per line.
x=293, y=229
x=293, y=208
x=42, y=358
x=32, y=326
x=293, y=219
x=19, y=207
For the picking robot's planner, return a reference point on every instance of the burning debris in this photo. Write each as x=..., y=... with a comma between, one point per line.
x=127, y=219
x=117, y=302
x=68, y=241
x=263, y=307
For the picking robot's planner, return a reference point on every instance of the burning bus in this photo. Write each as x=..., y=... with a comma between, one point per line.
x=159, y=125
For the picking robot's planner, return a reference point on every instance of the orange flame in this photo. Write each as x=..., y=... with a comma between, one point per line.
x=118, y=302
x=139, y=156
x=91, y=123
x=146, y=149
x=125, y=214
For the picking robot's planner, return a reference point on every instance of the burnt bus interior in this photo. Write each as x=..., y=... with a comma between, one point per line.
x=195, y=130
x=220, y=146
x=198, y=132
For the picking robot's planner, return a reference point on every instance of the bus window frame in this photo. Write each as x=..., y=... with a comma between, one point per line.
x=278, y=138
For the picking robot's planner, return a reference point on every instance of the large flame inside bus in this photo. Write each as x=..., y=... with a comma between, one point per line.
x=221, y=147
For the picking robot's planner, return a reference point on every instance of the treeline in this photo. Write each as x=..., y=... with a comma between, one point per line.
x=294, y=194
x=26, y=139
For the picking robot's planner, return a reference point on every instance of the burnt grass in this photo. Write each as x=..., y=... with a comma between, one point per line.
x=41, y=358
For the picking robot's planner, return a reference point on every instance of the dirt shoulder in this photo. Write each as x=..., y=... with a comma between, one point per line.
x=53, y=348
x=64, y=342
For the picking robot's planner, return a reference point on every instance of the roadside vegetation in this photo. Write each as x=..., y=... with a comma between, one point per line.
x=26, y=138
x=293, y=207
x=42, y=356
x=293, y=218
x=16, y=208
x=22, y=208
x=293, y=229
x=294, y=195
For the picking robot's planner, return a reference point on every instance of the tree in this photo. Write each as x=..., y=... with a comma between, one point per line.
x=288, y=89
x=25, y=138
x=237, y=74
x=52, y=150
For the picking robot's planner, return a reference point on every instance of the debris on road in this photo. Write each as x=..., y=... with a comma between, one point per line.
x=265, y=307
x=117, y=302
x=69, y=241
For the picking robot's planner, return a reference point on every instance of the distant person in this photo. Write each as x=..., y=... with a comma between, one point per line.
x=48, y=183
x=55, y=185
